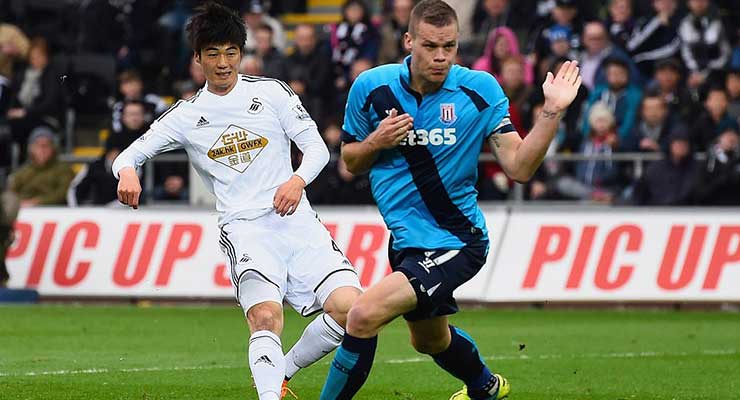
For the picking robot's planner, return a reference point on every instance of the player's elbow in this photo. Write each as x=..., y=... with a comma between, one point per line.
x=324, y=157
x=353, y=165
x=521, y=176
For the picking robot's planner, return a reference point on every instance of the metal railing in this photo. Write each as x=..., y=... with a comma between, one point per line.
x=637, y=159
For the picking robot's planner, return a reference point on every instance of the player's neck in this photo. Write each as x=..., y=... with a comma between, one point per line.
x=423, y=86
x=221, y=90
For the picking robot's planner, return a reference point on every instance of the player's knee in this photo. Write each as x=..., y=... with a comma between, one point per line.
x=363, y=320
x=339, y=304
x=429, y=345
x=264, y=317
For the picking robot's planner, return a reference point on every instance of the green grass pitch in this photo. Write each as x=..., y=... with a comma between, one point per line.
x=124, y=352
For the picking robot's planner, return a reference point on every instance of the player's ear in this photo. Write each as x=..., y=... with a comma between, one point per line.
x=407, y=41
x=196, y=56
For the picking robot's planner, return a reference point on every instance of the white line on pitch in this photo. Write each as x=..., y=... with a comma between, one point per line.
x=644, y=354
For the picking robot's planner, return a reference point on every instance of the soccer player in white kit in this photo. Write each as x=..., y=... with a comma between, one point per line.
x=237, y=132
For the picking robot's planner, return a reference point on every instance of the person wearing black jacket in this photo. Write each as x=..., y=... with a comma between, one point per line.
x=719, y=180
x=670, y=181
x=37, y=95
x=311, y=73
x=655, y=37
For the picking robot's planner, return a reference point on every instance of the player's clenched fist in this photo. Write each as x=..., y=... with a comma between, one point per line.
x=391, y=130
x=129, y=188
x=288, y=196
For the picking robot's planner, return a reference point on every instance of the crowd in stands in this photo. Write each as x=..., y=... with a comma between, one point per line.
x=659, y=76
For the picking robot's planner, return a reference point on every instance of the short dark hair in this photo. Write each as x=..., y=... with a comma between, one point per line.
x=129, y=75
x=433, y=12
x=715, y=88
x=127, y=103
x=618, y=62
x=215, y=24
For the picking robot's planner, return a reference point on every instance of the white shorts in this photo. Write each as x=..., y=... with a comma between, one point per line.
x=272, y=258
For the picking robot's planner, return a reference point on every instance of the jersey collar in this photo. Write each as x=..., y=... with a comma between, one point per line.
x=450, y=83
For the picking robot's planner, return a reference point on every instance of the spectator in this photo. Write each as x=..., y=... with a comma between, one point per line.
x=655, y=37
x=392, y=48
x=8, y=214
x=670, y=181
x=274, y=63
x=131, y=88
x=133, y=123
x=515, y=88
x=620, y=94
x=95, y=184
x=713, y=120
x=732, y=85
x=563, y=16
x=599, y=177
x=254, y=15
x=251, y=65
x=654, y=127
x=502, y=44
x=620, y=22
x=704, y=45
x=597, y=48
x=354, y=37
x=174, y=187
x=560, y=39
x=719, y=180
x=43, y=180
x=310, y=73
x=14, y=47
x=667, y=82
x=38, y=99
x=488, y=16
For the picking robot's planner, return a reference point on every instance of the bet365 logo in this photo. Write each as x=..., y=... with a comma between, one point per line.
x=434, y=137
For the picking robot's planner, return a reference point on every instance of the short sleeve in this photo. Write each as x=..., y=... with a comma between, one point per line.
x=357, y=125
x=495, y=118
x=293, y=116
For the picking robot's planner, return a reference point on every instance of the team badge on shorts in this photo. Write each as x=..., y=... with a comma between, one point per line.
x=447, y=113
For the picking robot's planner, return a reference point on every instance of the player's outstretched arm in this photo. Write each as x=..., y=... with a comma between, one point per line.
x=125, y=165
x=521, y=158
x=360, y=156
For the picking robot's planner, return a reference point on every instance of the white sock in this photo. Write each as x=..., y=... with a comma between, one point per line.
x=267, y=362
x=319, y=338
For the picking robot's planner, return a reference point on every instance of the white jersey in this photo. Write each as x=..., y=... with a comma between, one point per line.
x=239, y=143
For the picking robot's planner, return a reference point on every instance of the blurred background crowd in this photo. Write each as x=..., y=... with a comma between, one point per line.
x=656, y=122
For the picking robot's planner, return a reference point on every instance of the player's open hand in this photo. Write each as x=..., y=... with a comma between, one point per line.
x=288, y=196
x=129, y=188
x=560, y=90
x=391, y=130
